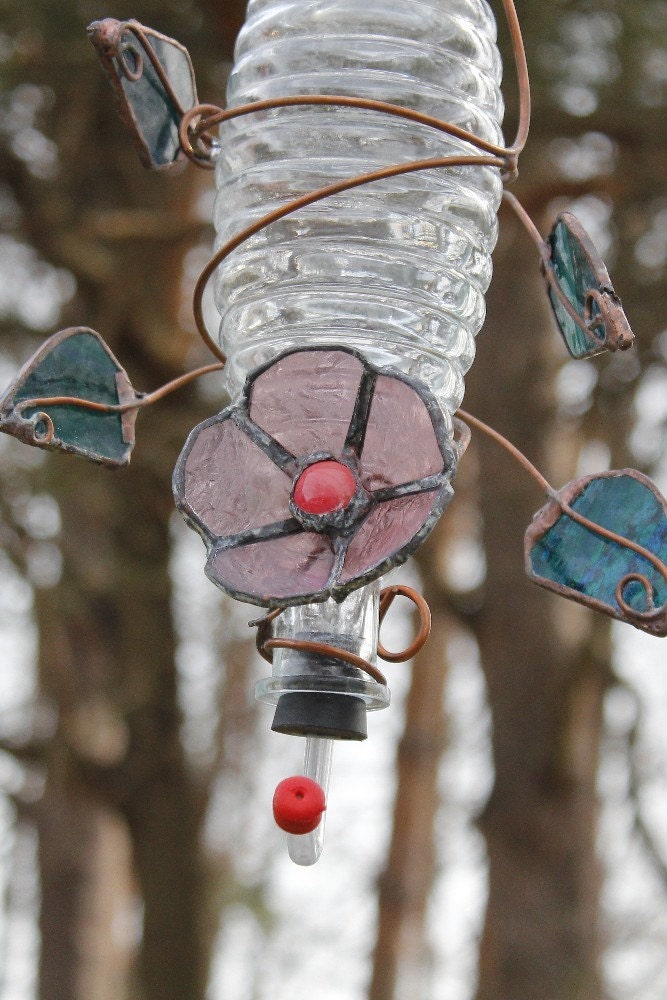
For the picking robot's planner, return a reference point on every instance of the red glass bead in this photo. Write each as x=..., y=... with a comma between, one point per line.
x=298, y=804
x=324, y=487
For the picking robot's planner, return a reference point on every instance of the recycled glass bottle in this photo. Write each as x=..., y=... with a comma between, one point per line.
x=399, y=268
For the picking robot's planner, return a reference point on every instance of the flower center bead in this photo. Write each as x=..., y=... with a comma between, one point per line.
x=324, y=487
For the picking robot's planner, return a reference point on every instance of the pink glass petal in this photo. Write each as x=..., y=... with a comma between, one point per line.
x=400, y=444
x=388, y=527
x=230, y=484
x=280, y=568
x=306, y=400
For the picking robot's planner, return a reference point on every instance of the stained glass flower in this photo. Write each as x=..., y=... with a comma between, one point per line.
x=326, y=474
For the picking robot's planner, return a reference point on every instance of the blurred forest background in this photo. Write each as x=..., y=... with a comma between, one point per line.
x=502, y=834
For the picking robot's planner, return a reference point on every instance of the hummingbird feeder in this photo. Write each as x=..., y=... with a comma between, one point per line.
x=359, y=166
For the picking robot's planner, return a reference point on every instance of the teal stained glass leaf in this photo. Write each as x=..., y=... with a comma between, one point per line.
x=73, y=363
x=582, y=278
x=151, y=107
x=573, y=560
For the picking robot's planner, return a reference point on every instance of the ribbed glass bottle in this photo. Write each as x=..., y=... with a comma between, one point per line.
x=397, y=269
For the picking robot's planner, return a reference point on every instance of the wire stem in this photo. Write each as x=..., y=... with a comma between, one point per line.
x=308, y=199
x=510, y=448
x=140, y=400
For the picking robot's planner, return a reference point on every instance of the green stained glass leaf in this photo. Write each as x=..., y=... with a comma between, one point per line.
x=154, y=82
x=593, y=320
x=577, y=562
x=73, y=363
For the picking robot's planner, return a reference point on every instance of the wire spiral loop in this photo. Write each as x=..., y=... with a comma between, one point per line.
x=628, y=610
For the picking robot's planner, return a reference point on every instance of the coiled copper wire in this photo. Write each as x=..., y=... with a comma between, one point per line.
x=266, y=643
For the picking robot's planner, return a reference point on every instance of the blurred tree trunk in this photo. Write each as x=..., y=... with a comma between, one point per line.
x=107, y=651
x=546, y=666
x=548, y=663
x=107, y=644
x=401, y=959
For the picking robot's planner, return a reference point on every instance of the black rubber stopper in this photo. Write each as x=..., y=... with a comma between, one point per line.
x=315, y=713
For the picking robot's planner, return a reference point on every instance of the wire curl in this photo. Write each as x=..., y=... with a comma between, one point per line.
x=266, y=643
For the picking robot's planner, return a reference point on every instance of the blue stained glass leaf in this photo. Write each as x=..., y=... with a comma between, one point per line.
x=573, y=560
x=73, y=363
x=149, y=109
x=583, y=280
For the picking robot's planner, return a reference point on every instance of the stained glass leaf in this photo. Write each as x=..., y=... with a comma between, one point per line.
x=73, y=363
x=577, y=562
x=151, y=110
x=590, y=318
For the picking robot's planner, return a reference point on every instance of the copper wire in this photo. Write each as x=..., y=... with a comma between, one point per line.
x=266, y=643
x=302, y=202
x=140, y=400
x=523, y=80
x=387, y=596
x=510, y=448
x=216, y=116
x=547, y=268
x=137, y=29
x=326, y=649
x=649, y=590
x=208, y=116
